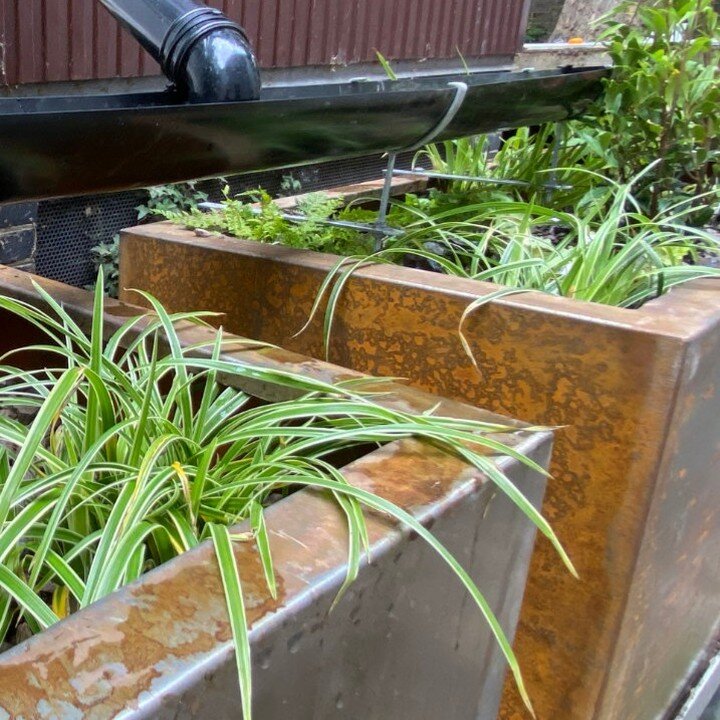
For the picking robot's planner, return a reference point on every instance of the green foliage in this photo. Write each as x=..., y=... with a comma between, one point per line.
x=662, y=100
x=262, y=220
x=161, y=199
x=386, y=66
x=611, y=253
x=137, y=454
x=164, y=199
x=290, y=185
x=527, y=156
x=105, y=257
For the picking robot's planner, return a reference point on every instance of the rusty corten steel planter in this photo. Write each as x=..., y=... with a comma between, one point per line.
x=403, y=643
x=636, y=497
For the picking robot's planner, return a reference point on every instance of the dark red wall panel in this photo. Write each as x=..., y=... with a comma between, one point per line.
x=51, y=40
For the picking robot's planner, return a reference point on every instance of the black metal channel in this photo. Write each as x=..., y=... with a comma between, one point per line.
x=62, y=146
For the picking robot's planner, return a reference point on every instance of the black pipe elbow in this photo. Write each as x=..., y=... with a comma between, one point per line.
x=202, y=52
x=209, y=59
x=220, y=67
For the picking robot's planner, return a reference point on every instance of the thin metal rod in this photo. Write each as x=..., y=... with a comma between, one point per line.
x=387, y=189
x=558, y=140
x=370, y=228
x=419, y=172
x=381, y=225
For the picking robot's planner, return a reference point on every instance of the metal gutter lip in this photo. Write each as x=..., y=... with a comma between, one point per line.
x=60, y=146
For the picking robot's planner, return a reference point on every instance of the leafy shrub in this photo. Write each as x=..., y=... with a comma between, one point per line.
x=661, y=103
x=262, y=220
x=105, y=256
x=163, y=199
x=290, y=185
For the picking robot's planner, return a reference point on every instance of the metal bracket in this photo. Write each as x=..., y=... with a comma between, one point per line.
x=461, y=89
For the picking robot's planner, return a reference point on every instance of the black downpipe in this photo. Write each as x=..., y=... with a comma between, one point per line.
x=206, y=56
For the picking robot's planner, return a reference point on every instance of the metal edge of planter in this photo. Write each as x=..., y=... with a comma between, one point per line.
x=642, y=382
x=667, y=315
x=161, y=647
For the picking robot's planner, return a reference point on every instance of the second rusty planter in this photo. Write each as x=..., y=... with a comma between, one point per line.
x=635, y=496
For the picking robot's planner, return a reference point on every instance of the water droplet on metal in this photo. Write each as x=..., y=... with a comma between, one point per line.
x=294, y=643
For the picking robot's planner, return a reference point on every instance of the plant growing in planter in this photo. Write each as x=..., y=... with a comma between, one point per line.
x=553, y=154
x=661, y=101
x=632, y=388
x=608, y=251
x=137, y=454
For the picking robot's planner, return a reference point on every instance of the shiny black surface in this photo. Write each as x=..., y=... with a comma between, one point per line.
x=52, y=147
x=204, y=54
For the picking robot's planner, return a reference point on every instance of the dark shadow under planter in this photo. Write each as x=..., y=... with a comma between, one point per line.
x=636, y=496
x=403, y=643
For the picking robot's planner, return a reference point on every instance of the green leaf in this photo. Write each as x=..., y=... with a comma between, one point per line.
x=257, y=521
x=26, y=598
x=236, y=611
x=38, y=431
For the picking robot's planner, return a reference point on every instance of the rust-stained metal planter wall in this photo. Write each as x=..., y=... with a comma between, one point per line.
x=404, y=643
x=52, y=40
x=636, y=496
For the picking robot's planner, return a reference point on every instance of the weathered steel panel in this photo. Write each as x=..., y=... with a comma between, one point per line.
x=52, y=40
x=635, y=495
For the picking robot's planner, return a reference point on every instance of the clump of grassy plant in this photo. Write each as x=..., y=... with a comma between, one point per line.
x=137, y=454
x=555, y=155
x=609, y=252
x=612, y=253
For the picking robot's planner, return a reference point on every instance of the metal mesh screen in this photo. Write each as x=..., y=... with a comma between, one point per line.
x=69, y=228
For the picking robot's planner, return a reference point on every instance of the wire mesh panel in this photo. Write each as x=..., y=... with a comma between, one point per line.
x=69, y=228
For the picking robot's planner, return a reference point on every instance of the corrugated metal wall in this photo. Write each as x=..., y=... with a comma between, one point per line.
x=50, y=40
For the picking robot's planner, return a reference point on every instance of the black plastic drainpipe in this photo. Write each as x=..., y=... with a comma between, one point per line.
x=205, y=55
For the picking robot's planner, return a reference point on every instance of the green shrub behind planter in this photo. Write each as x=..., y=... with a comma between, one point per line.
x=662, y=100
